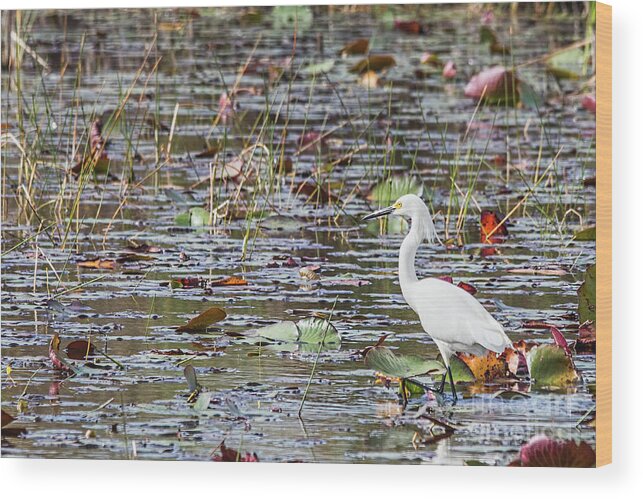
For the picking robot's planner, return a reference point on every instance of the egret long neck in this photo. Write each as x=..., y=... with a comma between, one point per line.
x=408, y=250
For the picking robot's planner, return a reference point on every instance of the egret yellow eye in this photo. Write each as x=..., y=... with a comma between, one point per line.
x=397, y=205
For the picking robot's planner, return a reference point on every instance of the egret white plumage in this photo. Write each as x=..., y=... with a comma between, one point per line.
x=452, y=317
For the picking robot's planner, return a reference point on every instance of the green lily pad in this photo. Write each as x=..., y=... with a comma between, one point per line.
x=567, y=64
x=317, y=68
x=549, y=365
x=588, y=234
x=311, y=331
x=195, y=217
x=285, y=331
x=202, y=401
x=392, y=188
x=289, y=16
x=382, y=359
x=317, y=331
x=587, y=296
x=460, y=371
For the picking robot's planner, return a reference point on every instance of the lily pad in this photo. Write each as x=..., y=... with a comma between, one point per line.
x=285, y=331
x=203, y=320
x=289, y=16
x=374, y=63
x=195, y=217
x=460, y=371
x=320, y=67
x=392, y=188
x=382, y=359
x=549, y=365
x=587, y=296
x=317, y=331
x=588, y=234
x=567, y=64
x=202, y=401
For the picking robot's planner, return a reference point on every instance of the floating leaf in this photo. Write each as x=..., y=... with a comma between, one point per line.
x=98, y=263
x=195, y=217
x=485, y=368
x=229, y=281
x=550, y=366
x=80, y=350
x=230, y=455
x=567, y=64
x=490, y=226
x=317, y=331
x=285, y=331
x=410, y=27
x=56, y=360
x=542, y=451
x=356, y=47
x=319, y=67
x=393, y=188
x=460, y=371
x=374, y=63
x=203, y=320
x=496, y=85
x=288, y=17
x=6, y=418
x=202, y=401
x=587, y=296
x=190, y=377
x=588, y=234
x=586, y=342
x=383, y=360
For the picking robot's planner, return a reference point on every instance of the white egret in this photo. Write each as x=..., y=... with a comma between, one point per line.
x=452, y=317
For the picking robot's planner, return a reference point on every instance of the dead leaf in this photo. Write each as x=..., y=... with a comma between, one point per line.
x=356, y=47
x=80, y=350
x=227, y=454
x=229, y=281
x=550, y=272
x=203, y=320
x=374, y=63
x=586, y=342
x=6, y=418
x=58, y=363
x=410, y=27
x=490, y=226
x=487, y=367
x=98, y=263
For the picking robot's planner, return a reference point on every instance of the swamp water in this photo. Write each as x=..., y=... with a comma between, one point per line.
x=410, y=124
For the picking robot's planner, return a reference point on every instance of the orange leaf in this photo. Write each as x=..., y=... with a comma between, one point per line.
x=487, y=367
x=98, y=263
x=230, y=281
x=488, y=223
x=203, y=320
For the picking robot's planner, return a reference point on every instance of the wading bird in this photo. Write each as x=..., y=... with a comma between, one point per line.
x=453, y=318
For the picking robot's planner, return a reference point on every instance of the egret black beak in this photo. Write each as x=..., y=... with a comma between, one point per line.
x=380, y=213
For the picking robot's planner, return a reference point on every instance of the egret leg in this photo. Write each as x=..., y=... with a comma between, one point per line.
x=453, y=392
x=444, y=378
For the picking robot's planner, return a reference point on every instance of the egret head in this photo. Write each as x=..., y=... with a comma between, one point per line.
x=410, y=206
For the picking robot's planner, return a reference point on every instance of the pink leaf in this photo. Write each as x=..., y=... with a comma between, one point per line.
x=542, y=451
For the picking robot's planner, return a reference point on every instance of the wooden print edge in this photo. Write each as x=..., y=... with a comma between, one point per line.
x=603, y=234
